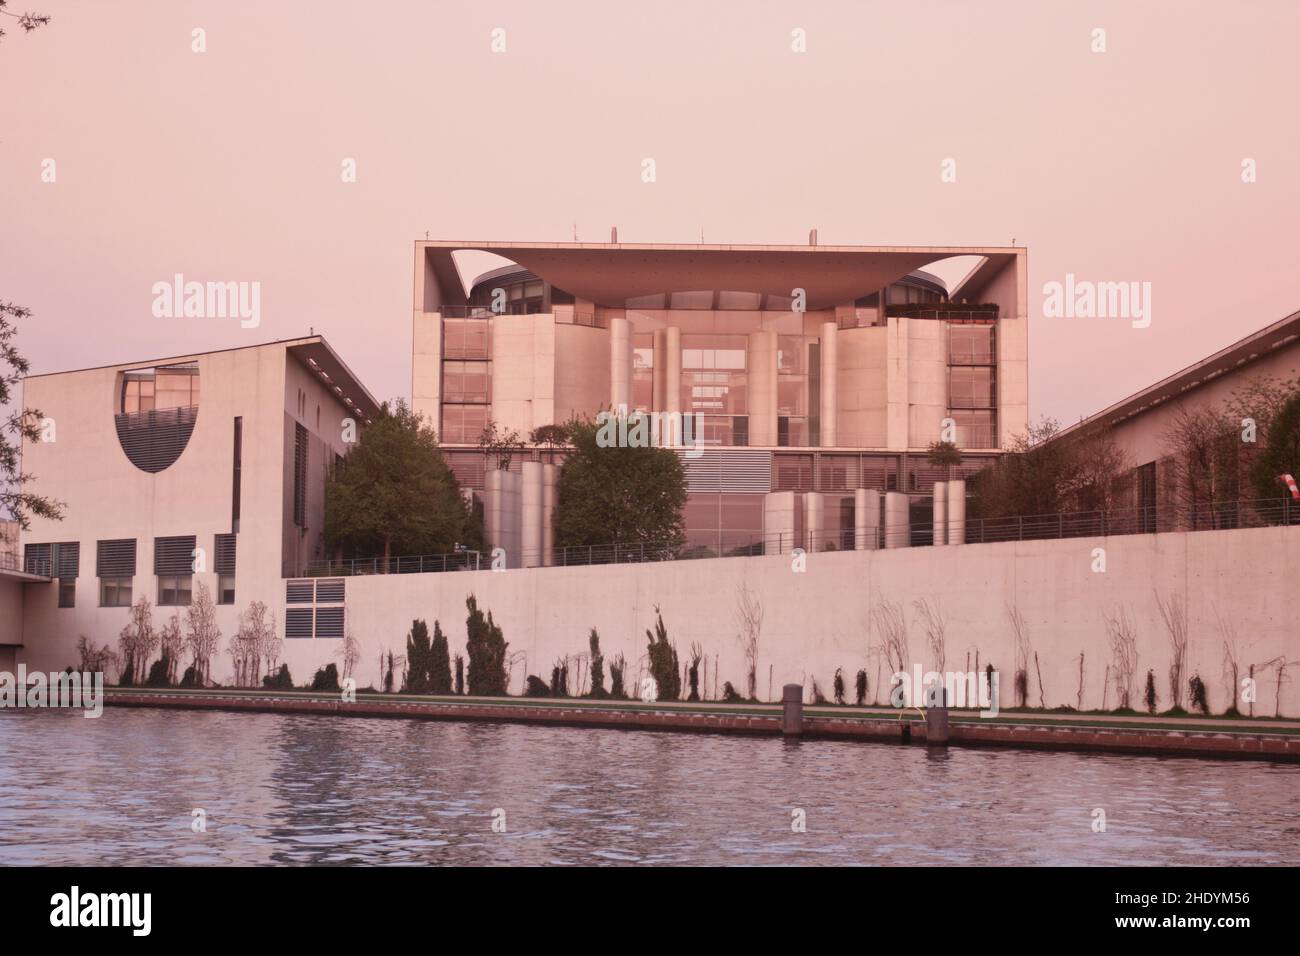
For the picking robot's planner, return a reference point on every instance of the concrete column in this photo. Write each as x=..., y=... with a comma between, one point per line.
x=782, y=522
x=940, y=522
x=530, y=515
x=866, y=519
x=829, y=383
x=814, y=521
x=760, y=361
x=550, y=474
x=658, y=400
x=957, y=511
x=620, y=363
x=501, y=513
x=898, y=531
x=673, y=431
x=672, y=369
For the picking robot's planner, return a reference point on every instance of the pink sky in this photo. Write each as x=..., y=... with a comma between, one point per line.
x=225, y=165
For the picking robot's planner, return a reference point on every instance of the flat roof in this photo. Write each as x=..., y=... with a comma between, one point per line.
x=1242, y=352
x=306, y=349
x=611, y=273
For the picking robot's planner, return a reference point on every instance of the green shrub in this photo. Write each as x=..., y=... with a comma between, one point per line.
x=280, y=680
x=536, y=687
x=486, y=647
x=597, y=665
x=326, y=679
x=729, y=694
x=439, y=662
x=617, y=667
x=663, y=661
x=860, y=688
x=158, y=673
x=1150, y=695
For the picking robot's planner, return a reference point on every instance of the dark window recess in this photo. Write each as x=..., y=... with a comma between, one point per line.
x=225, y=554
x=67, y=592
x=37, y=559
x=115, y=559
x=783, y=431
x=237, y=478
x=739, y=431
x=298, y=592
x=329, y=591
x=153, y=440
x=67, y=560
x=299, y=476
x=1147, y=497
x=329, y=622
x=173, y=556
x=297, y=622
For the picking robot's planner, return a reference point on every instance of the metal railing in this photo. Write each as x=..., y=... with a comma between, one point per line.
x=750, y=542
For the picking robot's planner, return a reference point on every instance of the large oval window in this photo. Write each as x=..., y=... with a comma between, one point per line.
x=156, y=411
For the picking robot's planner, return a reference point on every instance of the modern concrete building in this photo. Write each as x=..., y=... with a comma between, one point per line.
x=196, y=468
x=1140, y=424
x=815, y=373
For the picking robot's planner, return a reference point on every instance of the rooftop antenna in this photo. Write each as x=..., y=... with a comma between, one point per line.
x=613, y=235
x=812, y=237
x=701, y=235
x=575, y=232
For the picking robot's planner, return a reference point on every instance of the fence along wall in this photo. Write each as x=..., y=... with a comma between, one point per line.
x=1229, y=583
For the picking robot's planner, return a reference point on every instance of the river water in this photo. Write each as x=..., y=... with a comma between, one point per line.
x=123, y=789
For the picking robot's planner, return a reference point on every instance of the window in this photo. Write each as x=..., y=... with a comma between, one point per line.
x=174, y=590
x=173, y=562
x=67, y=565
x=115, y=592
x=115, y=568
x=971, y=345
x=237, y=476
x=299, y=476
x=37, y=559
x=971, y=387
x=225, y=568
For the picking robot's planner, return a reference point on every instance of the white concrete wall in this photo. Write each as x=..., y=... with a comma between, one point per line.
x=820, y=619
x=523, y=371
x=108, y=497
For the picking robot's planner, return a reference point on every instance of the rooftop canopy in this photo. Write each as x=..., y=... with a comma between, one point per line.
x=610, y=274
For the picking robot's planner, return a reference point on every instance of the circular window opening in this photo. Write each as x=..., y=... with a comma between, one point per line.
x=155, y=414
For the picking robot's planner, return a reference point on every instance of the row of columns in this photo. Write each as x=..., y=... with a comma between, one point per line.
x=518, y=512
x=761, y=356
x=792, y=518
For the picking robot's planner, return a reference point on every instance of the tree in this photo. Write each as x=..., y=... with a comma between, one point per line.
x=749, y=624
x=201, y=633
x=553, y=436
x=486, y=647
x=21, y=424
x=597, y=665
x=172, y=642
x=1045, y=473
x=439, y=662
x=254, y=641
x=137, y=641
x=499, y=444
x=945, y=455
x=393, y=493
x=663, y=661
x=28, y=21
x=1281, y=452
x=618, y=494
x=418, y=679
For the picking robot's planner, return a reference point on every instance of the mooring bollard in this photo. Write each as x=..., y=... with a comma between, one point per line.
x=936, y=726
x=792, y=710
